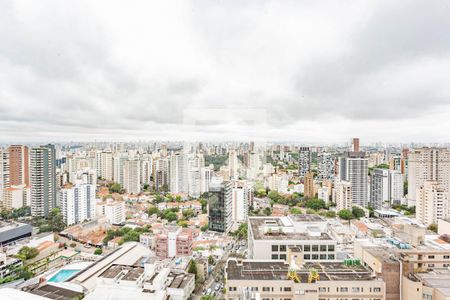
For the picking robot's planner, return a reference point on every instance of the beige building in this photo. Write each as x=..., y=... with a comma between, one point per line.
x=269, y=238
x=309, y=185
x=265, y=280
x=431, y=203
x=342, y=195
x=428, y=164
x=428, y=286
x=16, y=197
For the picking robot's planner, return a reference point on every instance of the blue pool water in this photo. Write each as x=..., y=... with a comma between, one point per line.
x=63, y=275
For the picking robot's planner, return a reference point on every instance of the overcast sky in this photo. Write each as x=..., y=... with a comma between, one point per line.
x=306, y=71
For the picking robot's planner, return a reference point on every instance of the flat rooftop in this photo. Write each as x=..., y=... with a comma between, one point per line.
x=56, y=292
x=131, y=273
x=180, y=280
x=278, y=270
x=258, y=224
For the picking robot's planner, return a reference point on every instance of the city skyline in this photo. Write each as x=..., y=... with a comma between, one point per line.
x=319, y=72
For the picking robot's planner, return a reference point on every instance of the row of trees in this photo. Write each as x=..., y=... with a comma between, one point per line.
x=128, y=234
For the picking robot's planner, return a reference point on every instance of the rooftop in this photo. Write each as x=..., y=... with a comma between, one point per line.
x=277, y=270
x=271, y=228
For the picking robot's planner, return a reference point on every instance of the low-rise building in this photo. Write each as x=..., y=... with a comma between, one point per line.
x=250, y=279
x=270, y=237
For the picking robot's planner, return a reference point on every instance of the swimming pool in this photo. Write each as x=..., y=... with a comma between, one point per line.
x=63, y=275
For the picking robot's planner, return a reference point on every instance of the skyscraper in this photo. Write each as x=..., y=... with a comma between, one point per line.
x=353, y=167
x=386, y=188
x=309, y=185
x=233, y=164
x=4, y=172
x=19, y=165
x=43, y=180
x=355, y=145
x=220, y=214
x=432, y=203
x=132, y=176
x=342, y=195
x=77, y=203
x=178, y=174
x=304, y=161
x=428, y=164
x=326, y=163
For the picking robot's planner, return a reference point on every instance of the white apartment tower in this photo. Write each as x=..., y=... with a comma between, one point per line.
x=132, y=176
x=178, y=173
x=353, y=167
x=105, y=165
x=77, y=203
x=386, y=188
x=428, y=164
x=432, y=203
x=342, y=195
x=4, y=172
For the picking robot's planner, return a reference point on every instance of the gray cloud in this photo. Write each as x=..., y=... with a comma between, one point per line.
x=109, y=69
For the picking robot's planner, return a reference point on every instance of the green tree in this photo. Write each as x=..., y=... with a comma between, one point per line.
x=169, y=215
x=358, y=212
x=115, y=188
x=204, y=228
x=27, y=253
x=98, y=251
x=433, y=227
x=330, y=214
x=152, y=210
x=188, y=213
x=210, y=260
x=315, y=204
x=295, y=211
x=193, y=268
x=345, y=214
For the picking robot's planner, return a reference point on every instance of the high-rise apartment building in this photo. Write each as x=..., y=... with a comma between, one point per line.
x=386, y=188
x=241, y=199
x=77, y=203
x=342, y=195
x=42, y=180
x=19, y=165
x=353, y=167
x=105, y=165
x=178, y=174
x=233, y=164
x=118, y=166
x=132, y=176
x=326, y=166
x=220, y=213
x=309, y=192
x=432, y=203
x=4, y=172
x=304, y=161
x=355, y=145
x=428, y=164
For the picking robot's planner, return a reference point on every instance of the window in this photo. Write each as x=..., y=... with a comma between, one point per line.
x=322, y=289
x=376, y=290
x=323, y=248
x=355, y=289
x=315, y=248
x=266, y=289
x=430, y=256
x=274, y=256
x=431, y=265
x=323, y=256
x=307, y=248
x=282, y=248
x=274, y=248
x=283, y=256
x=307, y=256
x=446, y=265
x=330, y=256
x=343, y=289
x=426, y=296
x=254, y=289
x=331, y=248
x=315, y=256
x=232, y=288
x=287, y=289
x=446, y=256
